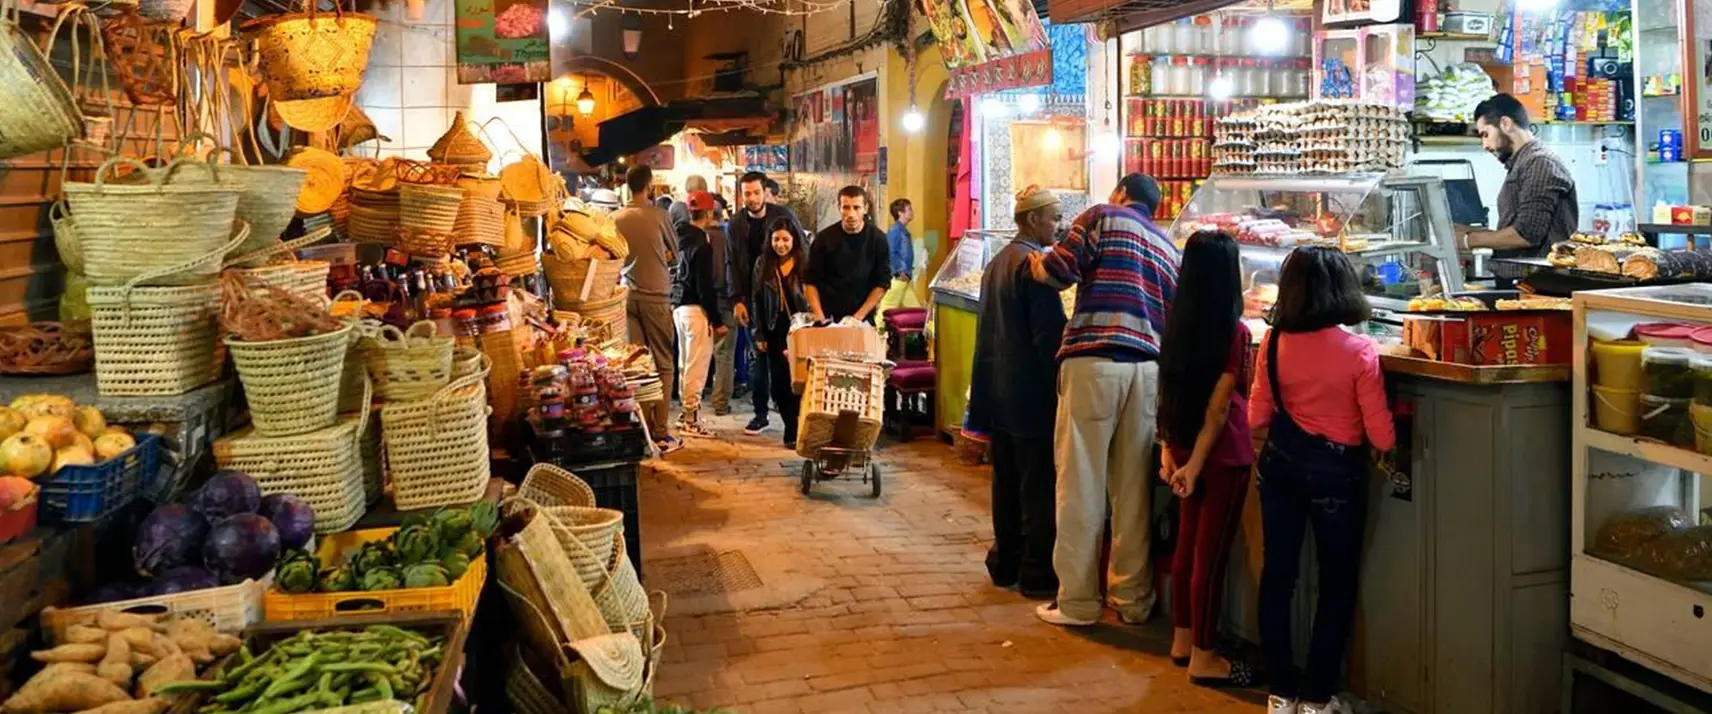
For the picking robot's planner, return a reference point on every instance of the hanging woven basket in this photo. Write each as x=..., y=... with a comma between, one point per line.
x=313, y=63
x=36, y=108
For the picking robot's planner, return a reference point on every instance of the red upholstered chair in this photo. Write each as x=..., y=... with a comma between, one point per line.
x=910, y=388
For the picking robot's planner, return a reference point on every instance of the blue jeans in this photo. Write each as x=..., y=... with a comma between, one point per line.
x=1299, y=487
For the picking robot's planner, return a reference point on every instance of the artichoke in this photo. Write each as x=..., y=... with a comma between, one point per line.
x=484, y=517
x=455, y=563
x=297, y=575
x=452, y=524
x=372, y=556
x=425, y=575
x=471, y=545
x=382, y=579
x=338, y=579
x=415, y=544
x=416, y=519
x=295, y=554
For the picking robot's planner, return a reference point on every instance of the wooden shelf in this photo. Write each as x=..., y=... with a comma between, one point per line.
x=1452, y=36
x=1649, y=451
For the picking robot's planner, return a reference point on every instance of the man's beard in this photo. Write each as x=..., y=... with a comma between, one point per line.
x=849, y=228
x=1506, y=149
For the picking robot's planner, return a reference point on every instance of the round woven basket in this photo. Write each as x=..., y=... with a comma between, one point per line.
x=128, y=230
x=604, y=311
x=409, y=365
x=567, y=278
x=313, y=56
x=36, y=108
x=293, y=384
x=429, y=208
x=586, y=534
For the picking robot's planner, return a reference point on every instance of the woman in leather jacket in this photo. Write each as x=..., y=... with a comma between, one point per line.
x=778, y=294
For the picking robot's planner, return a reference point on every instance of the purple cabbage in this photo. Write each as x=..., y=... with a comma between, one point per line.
x=171, y=536
x=227, y=493
x=241, y=547
x=183, y=578
x=294, y=519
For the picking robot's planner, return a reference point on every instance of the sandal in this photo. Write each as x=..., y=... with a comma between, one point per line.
x=1242, y=675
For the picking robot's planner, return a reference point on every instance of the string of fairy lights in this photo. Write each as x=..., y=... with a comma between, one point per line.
x=696, y=8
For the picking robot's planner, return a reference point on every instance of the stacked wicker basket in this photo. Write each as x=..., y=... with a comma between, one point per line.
x=433, y=416
x=583, y=269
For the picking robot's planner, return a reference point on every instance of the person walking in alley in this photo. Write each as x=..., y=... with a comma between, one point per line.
x=695, y=309
x=1203, y=425
x=748, y=239
x=778, y=296
x=1012, y=398
x=648, y=308
x=1124, y=269
x=849, y=263
x=680, y=210
x=902, y=244
x=725, y=346
x=1318, y=391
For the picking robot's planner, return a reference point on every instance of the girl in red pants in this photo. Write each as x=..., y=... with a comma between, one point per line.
x=1203, y=423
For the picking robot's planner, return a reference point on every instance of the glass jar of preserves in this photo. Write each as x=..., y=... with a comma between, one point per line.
x=1161, y=72
x=1263, y=78
x=1140, y=75
x=1183, y=36
x=1197, y=76
x=1230, y=36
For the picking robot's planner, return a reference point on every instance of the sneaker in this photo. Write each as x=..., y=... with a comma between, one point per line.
x=791, y=444
x=1048, y=612
x=721, y=410
x=1335, y=706
x=668, y=445
x=1279, y=705
x=695, y=429
x=756, y=426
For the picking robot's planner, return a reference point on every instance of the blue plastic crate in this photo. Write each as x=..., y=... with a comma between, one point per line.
x=82, y=494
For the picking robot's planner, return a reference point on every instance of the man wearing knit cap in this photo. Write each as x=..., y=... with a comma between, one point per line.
x=1013, y=397
x=1124, y=269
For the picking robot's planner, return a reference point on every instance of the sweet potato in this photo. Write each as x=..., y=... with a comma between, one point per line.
x=223, y=644
x=152, y=705
x=71, y=653
x=193, y=637
x=63, y=690
x=83, y=667
x=164, y=646
x=84, y=635
x=114, y=620
x=175, y=667
x=115, y=667
x=141, y=639
x=141, y=660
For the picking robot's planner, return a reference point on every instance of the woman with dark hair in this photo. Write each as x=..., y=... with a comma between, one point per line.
x=1203, y=424
x=1317, y=398
x=778, y=295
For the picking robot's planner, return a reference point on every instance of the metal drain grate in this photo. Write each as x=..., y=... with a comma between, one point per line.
x=704, y=574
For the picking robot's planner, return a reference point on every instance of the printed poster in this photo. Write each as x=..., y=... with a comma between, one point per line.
x=862, y=106
x=837, y=129
x=949, y=19
x=502, y=41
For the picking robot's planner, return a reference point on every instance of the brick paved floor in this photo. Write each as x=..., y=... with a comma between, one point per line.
x=906, y=621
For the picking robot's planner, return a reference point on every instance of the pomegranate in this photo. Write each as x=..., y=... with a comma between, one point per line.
x=15, y=493
x=57, y=431
x=11, y=422
x=26, y=455
x=89, y=420
x=79, y=441
x=71, y=456
x=113, y=443
x=50, y=404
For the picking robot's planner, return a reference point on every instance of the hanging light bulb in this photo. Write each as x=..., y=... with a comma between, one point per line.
x=913, y=121
x=1221, y=88
x=1269, y=35
x=1053, y=138
x=1107, y=145
x=1028, y=103
x=585, y=102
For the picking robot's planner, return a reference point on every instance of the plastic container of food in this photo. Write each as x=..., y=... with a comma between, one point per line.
x=1702, y=337
x=1616, y=410
x=1668, y=372
x=1702, y=367
x=1701, y=416
x=1617, y=365
x=1665, y=419
x=1665, y=334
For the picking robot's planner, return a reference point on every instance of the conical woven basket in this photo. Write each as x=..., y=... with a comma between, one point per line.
x=129, y=230
x=36, y=108
x=313, y=55
x=459, y=146
x=292, y=385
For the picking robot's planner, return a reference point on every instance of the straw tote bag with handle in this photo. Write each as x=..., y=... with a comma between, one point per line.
x=313, y=63
x=129, y=229
x=37, y=111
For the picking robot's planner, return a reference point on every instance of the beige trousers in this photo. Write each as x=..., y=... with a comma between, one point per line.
x=1103, y=445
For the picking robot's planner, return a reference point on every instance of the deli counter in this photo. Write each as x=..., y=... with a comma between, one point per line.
x=954, y=311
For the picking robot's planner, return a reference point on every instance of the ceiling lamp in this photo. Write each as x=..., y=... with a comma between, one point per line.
x=585, y=101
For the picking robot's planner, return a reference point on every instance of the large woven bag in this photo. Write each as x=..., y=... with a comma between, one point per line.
x=129, y=230
x=436, y=448
x=408, y=365
x=313, y=63
x=581, y=280
x=37, y=110
x=323, y=467
x=292, y=385
x=268, y=201
x=480, y=220
x=428, y=207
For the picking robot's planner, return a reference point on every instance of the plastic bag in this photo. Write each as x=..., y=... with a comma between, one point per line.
x=1626, y=534
x=1684, y=554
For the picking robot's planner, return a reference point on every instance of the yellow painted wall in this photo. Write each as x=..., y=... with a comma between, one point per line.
x=917, y=166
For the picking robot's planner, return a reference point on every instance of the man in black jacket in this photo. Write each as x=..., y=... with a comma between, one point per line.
x=1013, y=397
x=849, y=263
x=695, y=309
x=746, y=235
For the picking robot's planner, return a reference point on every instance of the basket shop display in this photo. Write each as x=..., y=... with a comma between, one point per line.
x=436, y=448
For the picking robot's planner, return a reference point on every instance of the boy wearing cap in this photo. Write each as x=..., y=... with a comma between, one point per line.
x=1013, y=396
x=1124, y=269
x=695, y=309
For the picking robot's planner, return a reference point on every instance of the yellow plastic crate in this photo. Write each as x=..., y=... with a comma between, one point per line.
x=461, y=596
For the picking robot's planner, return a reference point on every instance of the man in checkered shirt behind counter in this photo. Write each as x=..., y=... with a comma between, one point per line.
x=1537, y=205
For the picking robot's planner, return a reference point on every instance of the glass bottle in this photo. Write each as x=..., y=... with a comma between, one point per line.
x=1197, y=76
x=1183, y=36
x=1161, y=71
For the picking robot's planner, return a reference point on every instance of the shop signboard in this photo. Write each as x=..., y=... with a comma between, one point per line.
x=989, y=45
x=502, y=41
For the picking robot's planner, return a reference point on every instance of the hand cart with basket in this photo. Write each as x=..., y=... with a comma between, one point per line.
x=842, y=403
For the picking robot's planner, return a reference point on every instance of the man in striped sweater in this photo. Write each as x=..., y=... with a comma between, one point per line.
x=1124, y=269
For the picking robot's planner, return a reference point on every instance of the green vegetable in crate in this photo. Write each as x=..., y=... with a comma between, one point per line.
x=455, y=563
x=373, y=556
x=484, y=516
x=297, y=575
x=425, y=575
x=418, y=518
x=452, y=523
x=361, y=670
x=337, y=579
x=471, y=545
x=415, y=544
x=382, y=579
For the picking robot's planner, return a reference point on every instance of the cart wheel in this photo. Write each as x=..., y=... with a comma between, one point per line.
x=807, y=475
x=874, y=477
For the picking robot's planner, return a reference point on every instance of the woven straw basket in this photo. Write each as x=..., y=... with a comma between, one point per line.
x=65, y=237
x=480, y=220
x=323, y=467
x=524, y=689
x=267, y=195
x=467, y=361
x=835, y=386
x=593, y=540
x=518, y=265
x=610, y=671
x=436, y=448
x=130, y=230
x=36, y=108
x=482, y=185
x=459, y=145
x=313, y=56
x=608, y=312
x=292, y=385
x=429, y=208
x=420, y=242
x=304, y=278
x=409, y=365
x=569, y=277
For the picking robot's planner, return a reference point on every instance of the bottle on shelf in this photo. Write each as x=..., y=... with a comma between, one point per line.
x=1141, y=75
x=1161, y=71
x=1183, y=36
x=1197, y=76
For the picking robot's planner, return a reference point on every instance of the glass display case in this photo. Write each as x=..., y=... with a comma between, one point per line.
x=1396, y=229
x=960, y=274
x=1661, y=36
x=1641, y=519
